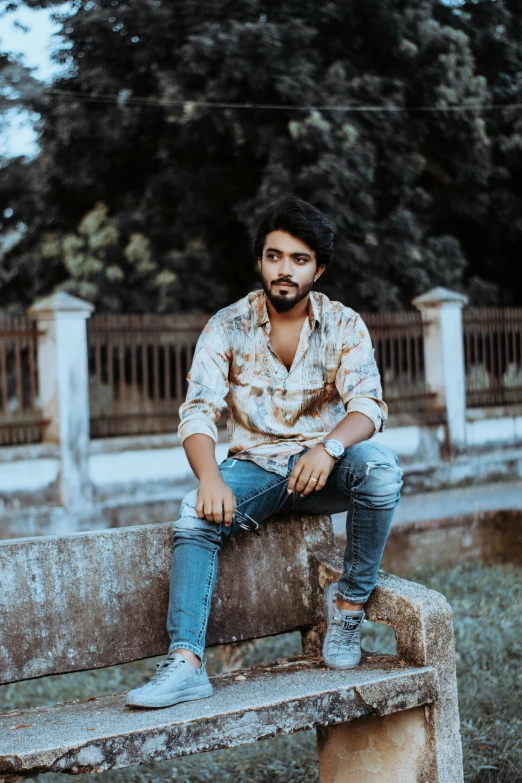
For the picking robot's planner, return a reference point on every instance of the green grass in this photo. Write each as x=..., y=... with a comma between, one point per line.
x=487, y=603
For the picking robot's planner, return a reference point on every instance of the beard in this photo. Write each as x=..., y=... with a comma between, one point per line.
x=283, y=303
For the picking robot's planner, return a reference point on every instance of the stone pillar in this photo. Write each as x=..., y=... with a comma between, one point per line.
x=395, y=748
x=444, y=359
x=64, y=389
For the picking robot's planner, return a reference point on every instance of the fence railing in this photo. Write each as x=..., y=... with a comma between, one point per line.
x=137, y=371
x=21, y=420
x=399, y=352
x=493, y=355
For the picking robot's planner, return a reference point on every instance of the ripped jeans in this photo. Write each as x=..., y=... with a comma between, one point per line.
x=365, y=482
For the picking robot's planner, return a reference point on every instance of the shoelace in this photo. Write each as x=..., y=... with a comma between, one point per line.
x=164, y=669
x=345, y=629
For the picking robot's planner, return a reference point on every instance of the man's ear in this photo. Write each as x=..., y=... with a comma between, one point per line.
x=319, y=271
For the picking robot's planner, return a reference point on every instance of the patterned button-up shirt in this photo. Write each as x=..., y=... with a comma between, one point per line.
x=273, y=412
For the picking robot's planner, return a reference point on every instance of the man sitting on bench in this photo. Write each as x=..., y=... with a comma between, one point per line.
x=303, y=394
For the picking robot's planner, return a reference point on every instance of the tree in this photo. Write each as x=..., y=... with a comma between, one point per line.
x=17, y=86
x=191, y=180
x=489, y=225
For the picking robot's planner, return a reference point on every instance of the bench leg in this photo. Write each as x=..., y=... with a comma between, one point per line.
x=392, y=748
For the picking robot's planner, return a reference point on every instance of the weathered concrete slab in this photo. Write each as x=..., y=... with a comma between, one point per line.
x=95, y=599
x=273, y=699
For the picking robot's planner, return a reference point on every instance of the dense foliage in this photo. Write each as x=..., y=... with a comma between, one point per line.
x=148, y=206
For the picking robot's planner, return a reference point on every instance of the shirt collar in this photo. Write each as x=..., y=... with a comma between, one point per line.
x=261, y=312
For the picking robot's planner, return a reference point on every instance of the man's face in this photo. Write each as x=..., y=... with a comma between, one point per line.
x=288, y=270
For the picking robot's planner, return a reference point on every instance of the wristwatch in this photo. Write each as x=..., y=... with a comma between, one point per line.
x=333, y=447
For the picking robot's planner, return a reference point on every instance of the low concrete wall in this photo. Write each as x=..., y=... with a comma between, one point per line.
x=130, y=466
x=154, y=464
x=28, y=476
x=118, y=468
x=141, y=478
x=485, y=537
x=414, y=442
x=488, y=427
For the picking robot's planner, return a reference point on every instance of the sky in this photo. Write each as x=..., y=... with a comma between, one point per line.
x=35, y=48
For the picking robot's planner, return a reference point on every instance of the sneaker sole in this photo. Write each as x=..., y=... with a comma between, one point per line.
x=335, y=666
x=190, y=694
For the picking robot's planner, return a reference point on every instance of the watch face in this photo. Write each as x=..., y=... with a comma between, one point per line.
x=336, y=448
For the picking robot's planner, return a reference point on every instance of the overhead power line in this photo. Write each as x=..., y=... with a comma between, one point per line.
x=124, y=100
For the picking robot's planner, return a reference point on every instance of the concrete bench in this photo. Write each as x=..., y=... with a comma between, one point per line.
x=84, y=601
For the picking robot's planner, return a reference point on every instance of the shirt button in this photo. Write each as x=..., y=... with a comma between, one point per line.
x=288, y=416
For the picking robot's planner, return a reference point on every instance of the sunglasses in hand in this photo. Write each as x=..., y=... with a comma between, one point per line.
x=246, y=522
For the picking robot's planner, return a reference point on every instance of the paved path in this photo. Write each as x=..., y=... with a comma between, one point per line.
x=449, y=502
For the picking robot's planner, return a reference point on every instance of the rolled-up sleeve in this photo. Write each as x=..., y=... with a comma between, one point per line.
x=207, y=384
x=358, y=381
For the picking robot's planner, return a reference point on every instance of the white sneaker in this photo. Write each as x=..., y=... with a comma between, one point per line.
x=175, y=681
x=342, y=643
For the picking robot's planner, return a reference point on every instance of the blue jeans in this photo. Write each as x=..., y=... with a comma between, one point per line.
x=365, y=482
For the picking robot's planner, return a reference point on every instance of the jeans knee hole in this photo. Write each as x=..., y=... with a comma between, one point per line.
x=372, y=465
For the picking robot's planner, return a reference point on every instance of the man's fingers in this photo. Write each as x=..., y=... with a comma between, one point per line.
x=229, y=512
x=294, y=476
x=217, y=511
x=304, y=480
x=224, y=509
x=314, y=482
x=229, y=505
x=308, y=487
x=212, y=511
x=298, y=478
x=323, y=478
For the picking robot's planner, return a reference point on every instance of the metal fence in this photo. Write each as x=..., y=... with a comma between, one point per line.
x=20, y=418
x=493, y=355
x=137, y=371
x=399, y=353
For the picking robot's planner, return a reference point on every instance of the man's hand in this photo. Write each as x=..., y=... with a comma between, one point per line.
x=216, y=501
x=315, y=464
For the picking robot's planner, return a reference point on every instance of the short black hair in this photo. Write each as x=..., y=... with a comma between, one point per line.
x=300, y=219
